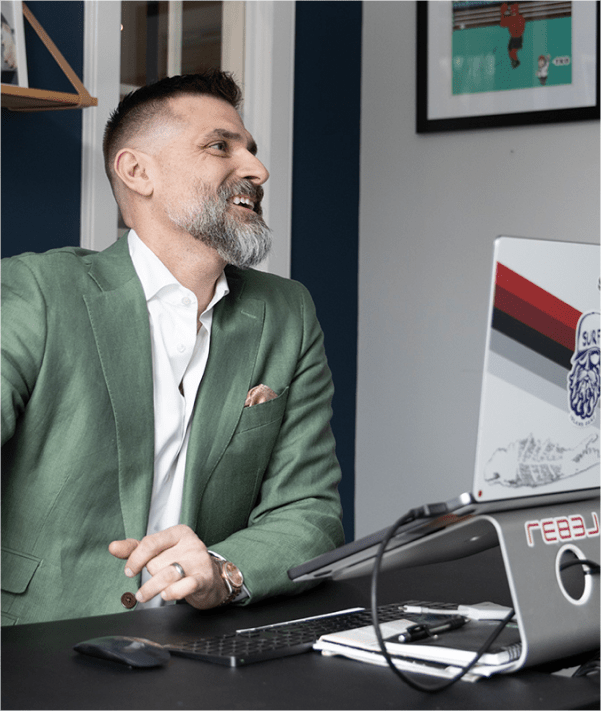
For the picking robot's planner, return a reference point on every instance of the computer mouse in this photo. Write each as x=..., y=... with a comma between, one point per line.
x=133, y=651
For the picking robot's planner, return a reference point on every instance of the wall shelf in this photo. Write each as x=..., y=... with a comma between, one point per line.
x=20, y=98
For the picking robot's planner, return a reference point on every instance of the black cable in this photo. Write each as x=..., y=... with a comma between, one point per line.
x=593, y=665
x=589, y=668
x=594, y=567
x=406, y=518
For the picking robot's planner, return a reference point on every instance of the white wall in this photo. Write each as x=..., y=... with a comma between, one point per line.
x=431, y=206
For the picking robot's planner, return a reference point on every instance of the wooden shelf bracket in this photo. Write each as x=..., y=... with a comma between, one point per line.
x=18, y=98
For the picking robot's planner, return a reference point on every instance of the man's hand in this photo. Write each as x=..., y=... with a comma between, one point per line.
x=202, y=587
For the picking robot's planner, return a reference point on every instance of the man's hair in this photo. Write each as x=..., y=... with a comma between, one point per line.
x=138, y=110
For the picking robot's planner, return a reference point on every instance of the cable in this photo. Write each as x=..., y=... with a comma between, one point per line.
x=594, y=567
x=406, y=518
x=588, y=668
x=593, y=665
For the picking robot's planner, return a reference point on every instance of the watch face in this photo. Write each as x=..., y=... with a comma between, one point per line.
x=233, y=574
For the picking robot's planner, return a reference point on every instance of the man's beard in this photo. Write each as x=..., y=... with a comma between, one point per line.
x=243, y=240
x=584, y=386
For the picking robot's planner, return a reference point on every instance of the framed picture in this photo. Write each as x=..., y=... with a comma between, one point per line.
x=488, y=64
x=14, y=59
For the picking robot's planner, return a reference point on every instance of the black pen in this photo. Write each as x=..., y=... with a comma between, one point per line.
x=421, y=631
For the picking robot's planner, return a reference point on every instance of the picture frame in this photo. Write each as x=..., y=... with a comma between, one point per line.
x=475, y=70
x=14, y=58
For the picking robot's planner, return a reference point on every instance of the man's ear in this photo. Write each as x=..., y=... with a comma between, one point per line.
x=132, y=168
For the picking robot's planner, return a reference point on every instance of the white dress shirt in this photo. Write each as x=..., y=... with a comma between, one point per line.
x=179, y=356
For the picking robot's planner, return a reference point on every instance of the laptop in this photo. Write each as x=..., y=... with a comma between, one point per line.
x=538, y=433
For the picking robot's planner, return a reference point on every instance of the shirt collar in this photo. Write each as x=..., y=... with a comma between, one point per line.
x=154, y=275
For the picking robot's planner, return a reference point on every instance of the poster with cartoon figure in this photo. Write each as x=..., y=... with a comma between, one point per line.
x=483, y=64
x=504, y=46
x=539, y=416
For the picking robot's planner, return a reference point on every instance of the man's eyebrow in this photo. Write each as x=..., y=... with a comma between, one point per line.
x=231, y=136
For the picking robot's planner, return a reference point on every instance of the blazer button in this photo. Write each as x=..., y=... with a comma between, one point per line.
x=128, y=600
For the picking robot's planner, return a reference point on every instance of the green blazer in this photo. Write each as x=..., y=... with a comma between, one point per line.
x=78, y=432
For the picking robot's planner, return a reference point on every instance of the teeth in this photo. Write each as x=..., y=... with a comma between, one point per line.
x=238, y=200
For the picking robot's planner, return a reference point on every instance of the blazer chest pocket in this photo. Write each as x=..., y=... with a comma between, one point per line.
x=263, y=414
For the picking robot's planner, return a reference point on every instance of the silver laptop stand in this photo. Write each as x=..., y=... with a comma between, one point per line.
x=557, y=610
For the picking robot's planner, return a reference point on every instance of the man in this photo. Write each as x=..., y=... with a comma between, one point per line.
x=516, y=24
x=161, y=398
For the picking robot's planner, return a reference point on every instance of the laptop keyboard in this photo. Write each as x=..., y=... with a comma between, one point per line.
x=281, y=640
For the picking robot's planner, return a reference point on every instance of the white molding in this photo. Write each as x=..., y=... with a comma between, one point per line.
x=174, y=38
x=268, y=113
x=102, y=51
x=233, y=39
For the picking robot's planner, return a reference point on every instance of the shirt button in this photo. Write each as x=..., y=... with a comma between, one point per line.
x=181, y=348
x=186, y=301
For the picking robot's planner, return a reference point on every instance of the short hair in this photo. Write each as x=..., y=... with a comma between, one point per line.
x=140, y=108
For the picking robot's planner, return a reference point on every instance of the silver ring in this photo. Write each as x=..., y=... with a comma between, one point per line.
x=179, y=569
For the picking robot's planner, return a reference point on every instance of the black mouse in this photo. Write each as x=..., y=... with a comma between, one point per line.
x=133, y=651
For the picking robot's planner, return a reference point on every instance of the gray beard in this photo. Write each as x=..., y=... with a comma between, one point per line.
x=243, y=241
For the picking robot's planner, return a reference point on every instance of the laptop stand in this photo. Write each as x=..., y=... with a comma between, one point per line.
x=557, y=610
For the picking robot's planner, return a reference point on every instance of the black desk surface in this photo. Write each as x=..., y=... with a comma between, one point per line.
x=40, y=670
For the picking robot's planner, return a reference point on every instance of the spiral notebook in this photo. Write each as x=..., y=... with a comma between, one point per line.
x=454, y=649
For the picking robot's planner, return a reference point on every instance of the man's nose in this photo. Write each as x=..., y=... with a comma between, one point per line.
x=253, y=170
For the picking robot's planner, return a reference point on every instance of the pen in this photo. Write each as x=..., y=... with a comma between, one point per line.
x=421, y=631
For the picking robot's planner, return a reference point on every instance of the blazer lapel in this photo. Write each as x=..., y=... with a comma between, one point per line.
x=119, y=319
x=235, y=337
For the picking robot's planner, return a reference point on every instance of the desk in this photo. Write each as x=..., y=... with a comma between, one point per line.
x=40, y=670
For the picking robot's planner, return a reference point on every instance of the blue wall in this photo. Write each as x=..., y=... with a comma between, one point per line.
x=325, y=200
x=41, y=152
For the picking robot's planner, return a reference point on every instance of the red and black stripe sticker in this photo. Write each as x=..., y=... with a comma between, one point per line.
x=534, y=317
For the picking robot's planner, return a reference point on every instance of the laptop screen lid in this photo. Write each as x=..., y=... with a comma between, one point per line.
x=538, y=431
x=538, y=440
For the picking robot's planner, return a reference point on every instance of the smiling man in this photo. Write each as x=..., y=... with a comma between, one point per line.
x=165, y=408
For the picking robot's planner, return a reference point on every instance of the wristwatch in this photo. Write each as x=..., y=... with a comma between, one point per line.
x=231, y=576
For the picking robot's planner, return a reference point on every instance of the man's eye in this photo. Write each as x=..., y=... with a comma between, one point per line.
x=220, y=145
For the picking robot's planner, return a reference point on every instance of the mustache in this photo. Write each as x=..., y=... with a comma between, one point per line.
x=243, y=187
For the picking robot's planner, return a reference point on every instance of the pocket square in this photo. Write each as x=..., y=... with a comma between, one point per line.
x=259, y=394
